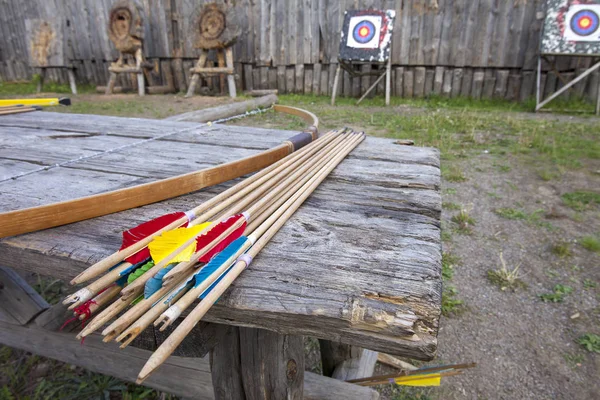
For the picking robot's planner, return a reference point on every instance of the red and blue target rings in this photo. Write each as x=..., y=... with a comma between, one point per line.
x=364, y=32
x=585, y=22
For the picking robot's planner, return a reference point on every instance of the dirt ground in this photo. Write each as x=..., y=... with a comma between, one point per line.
x=508, y=178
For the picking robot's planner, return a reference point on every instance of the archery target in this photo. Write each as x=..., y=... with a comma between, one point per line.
x=364, y=32
x=582, y=22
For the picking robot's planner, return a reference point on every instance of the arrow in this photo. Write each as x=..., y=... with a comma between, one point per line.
x=63, y=101
x=225, y=234
x=427, y=376
x=274, y=223
x=215, y=205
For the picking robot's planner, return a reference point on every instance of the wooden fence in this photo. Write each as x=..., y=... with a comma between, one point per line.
x=479, y=48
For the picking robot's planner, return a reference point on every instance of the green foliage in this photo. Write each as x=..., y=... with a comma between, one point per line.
x=591, y=243
x=581, y=200
x=589, y=284
x=590, y=341
x=558, y=294
x=505, y=277
x=562, y=249
x=453, y=173
x=450, y=304
x=451, y=206
x=12, y=89
x=464, y=222
x=449, y=260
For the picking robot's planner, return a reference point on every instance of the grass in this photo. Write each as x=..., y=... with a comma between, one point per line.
x=506, y=278
x=464, y=222
x=453, y=173
x=449, y=260
x=558, y=294
x=451, y=206
x=591, y=243
x=410, y=393
x=590, y=342
x=574, y=360
x=561, y=249
x=589, y=284
x=450, y=304
x=581, y=200
x=30, y=87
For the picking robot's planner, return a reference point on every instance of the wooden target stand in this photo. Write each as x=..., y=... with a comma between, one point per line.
x=350, y=67
x=539, y=103
x=225, y=67
x=570, y=29
x=126, y=31
x=215, y=26
x=366, y=39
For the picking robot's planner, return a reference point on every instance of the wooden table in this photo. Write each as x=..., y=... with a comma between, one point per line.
x=359, y=263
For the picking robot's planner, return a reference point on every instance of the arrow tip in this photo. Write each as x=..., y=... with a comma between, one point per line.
x=65, y=101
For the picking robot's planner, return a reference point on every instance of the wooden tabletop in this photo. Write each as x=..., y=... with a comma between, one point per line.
x=359, y=262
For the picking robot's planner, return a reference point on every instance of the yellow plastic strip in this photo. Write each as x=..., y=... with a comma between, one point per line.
x=30, y=102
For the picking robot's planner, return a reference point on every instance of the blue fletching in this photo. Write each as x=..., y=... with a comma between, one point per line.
x=211, y=287
x=122, y=281
x=218, y=260
x=155, y=283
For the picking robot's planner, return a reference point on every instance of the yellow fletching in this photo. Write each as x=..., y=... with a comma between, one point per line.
x=419, y=380
x=170, y=241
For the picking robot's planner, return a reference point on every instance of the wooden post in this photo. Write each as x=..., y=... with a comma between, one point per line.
x=250, y=364
x=336, y=80
x=388, y=81
x=342, y=361
x=72, y=83
x=139, y=59
x=195, y=77
x=40, y=83
x=111, y=83
x=230, y=79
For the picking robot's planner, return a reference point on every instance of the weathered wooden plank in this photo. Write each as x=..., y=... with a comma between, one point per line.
x=399, y=81
x=438, y=80
x=513, y=87
x=408, y=83
x=324, y=85
x=477, y=86
x=457, y=78
x=528, y=85
x=447, y=85
x=419, y=87
x=501, y=84
x=489, y=83
x=467, y=82
x=188, y=377
x=429, y=78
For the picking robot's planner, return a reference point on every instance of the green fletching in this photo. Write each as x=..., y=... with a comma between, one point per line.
x=140, y=271
x=137, y=300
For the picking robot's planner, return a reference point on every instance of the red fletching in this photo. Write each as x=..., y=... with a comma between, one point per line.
x=144, y=230
x=204, y=240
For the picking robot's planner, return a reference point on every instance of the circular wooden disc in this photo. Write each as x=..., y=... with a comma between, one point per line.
x=126, y=25
x=215, y=26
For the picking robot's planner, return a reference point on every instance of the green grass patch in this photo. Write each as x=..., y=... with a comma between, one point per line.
x=411, y=393
x=589, y=284
x=581, y=200
x=464, y=222
x=562, y=249
x=590, y=342
x=511, y=213
x=451, y=206
x=506, y=278
x=450, y=304
x=591, y=243
x=453, y=173
x=11, y=89
x=449, y=260
x=558, y=294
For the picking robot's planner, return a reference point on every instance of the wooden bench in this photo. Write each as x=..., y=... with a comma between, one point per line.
x=359, y=264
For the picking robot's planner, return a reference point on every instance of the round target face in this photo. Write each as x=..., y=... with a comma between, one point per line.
x=585, y=22
x=364, y=32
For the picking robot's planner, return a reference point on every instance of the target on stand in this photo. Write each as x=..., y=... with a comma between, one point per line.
x=365, y=32
x=582, y=23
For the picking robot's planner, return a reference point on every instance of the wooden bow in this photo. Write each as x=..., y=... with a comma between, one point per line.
x=66, y=212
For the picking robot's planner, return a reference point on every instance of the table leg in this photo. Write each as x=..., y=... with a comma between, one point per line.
x=345, y=362
x=252, y=364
